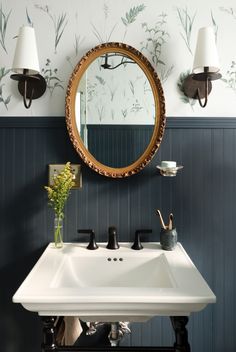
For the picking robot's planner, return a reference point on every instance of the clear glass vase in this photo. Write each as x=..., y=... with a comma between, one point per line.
x=58, y=231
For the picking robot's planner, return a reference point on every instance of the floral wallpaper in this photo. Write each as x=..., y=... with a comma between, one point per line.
x=165, y=32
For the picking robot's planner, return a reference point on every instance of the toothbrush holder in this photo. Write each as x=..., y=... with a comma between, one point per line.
x=168, y=239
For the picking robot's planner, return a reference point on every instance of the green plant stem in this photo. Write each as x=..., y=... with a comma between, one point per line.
x=57, y=233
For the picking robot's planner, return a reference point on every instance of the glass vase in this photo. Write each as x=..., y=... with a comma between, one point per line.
x=58, y=231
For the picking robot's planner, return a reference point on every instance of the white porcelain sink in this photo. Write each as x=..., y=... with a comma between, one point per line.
x=114, y=285
x=115, y=269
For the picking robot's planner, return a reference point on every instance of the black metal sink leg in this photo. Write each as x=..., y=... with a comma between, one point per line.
x=181, y=334
x=49, y=342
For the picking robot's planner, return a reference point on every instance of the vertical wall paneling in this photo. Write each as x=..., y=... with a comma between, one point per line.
x=202, y=198
x=218, y=185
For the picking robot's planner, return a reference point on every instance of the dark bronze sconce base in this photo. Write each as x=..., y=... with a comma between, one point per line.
x=191, y=87
x=30, y=87
x=198, y=86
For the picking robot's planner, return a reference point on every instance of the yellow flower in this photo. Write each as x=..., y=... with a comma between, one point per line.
x=60, y=190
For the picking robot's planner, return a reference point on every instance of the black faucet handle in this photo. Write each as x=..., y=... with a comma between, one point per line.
x=112, y=238
x=92, y=243
x=112, y=230
x=137, y=243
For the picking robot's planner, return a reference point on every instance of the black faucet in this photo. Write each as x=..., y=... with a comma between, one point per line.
x=112, y=238
x=137, y=243
x=92, y=243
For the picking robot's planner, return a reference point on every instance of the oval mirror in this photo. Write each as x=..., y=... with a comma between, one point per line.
x=115, y=110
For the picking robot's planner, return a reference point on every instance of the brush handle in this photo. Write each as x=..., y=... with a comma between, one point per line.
x=170, y=225
x=161, y=219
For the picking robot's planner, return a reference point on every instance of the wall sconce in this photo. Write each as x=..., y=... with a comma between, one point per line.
x=205, y=67
x=31, y=84
x=123, y=61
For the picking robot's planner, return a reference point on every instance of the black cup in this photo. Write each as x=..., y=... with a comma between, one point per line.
x=168, y=239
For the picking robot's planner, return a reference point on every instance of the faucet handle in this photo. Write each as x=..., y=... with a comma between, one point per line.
x=137, y=243
x=112, y=238
x=92, y=243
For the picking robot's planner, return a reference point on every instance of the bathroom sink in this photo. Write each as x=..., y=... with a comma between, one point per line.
x=114, y=285
x=113, y=270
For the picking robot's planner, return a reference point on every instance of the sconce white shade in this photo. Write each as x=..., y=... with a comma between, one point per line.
x=206, y=52
x=26, y=54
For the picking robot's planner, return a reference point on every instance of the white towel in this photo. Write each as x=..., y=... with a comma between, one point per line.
x=69, y=331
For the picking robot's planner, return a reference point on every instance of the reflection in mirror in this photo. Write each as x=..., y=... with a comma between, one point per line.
x=115, y=110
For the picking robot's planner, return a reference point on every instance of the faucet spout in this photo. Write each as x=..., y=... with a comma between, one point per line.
x=112, y=238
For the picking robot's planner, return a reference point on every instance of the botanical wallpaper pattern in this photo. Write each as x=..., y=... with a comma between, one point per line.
x=121, y=95
x=165, y=32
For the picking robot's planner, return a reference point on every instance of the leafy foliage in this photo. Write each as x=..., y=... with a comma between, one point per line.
x=59, y=192
x=112, y=91
x=91, y=90
x=3, y=27
x=180, y=83
x=136, y=107
x=186, y=22
x=100, y=80
x=230, y=78
x=106, y=10
x=215, y=26
x=131, y=16
x=78, y=42
x=59, y=24
x=5, y=101
x=51, y=78
x=131, y=86
x=229, y=11
x=59, y=27
x=157, y=37
x=100, y=111
x=30, y=23
x=124, y=112
x=165, y=73
x=99, y=36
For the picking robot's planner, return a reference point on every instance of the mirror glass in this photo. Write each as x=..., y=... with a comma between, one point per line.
x=115, y=110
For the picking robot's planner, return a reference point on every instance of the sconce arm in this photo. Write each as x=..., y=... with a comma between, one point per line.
x=30, y=86
x=27, y=105
x=206, y=93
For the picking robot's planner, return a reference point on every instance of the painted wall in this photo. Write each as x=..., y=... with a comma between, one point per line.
x=164, y=31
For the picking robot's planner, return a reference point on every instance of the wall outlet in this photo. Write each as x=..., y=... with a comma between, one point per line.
x=55, y=169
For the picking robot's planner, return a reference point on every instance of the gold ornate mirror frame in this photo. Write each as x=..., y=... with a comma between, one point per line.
x=160, y=119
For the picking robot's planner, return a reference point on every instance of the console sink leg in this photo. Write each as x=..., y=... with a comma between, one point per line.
x=49, y=342
x=181, y=334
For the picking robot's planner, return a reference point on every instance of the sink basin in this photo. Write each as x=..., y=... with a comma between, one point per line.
x=119, y=270
x=114, y=285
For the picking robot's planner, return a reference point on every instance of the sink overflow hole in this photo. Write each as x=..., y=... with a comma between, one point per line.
x=115, y=259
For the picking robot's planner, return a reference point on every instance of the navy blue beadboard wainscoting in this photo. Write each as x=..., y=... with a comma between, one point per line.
x=202, y=198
